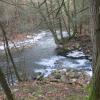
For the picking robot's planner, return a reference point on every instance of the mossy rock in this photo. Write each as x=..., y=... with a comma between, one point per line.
x=37, y=76
x=56, y=74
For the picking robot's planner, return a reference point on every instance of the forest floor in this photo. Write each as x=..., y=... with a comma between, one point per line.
x=36, y=90
x=53, y=87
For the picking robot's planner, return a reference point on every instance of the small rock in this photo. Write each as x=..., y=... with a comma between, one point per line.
x=71, y=74
x=64, y=78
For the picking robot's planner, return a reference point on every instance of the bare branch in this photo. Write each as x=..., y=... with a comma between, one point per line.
x=42, y=3
x=82, y=10
x=59, y=8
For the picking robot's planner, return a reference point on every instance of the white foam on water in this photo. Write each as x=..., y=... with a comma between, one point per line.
x=69, y=64
x=62, y=62
x=89, y=73
x=76, y=53
x=45, y=72
x=81, y=61
x=39, y=36
x=1, y=47
x=50, y=61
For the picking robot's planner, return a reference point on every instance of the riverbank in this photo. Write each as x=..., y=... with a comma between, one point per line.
x=60, y=85
x=81, y=42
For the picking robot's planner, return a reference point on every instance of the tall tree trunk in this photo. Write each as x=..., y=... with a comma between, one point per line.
x=50, y=24
x=5, y=86
x=68, y=17
x=95, y=32
x=75, y=15
x=60, y=22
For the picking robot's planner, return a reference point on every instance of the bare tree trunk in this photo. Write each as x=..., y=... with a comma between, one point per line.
x=60, y=21
x=51, y=24
x=75, y=15
x=48, y=23
x=68, y=17
x=5, y=86
x=95, y=33
x=81, y=28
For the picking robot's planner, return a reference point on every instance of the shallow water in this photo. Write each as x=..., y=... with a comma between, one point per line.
x=42, y=57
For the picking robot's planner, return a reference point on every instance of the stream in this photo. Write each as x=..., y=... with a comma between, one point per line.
x=42, y=57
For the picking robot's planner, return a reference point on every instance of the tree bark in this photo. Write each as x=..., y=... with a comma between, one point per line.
x=95, y=34
x=75, y=15
x=5, y=86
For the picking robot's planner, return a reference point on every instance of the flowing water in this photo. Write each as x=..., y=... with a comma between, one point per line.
x=42, y=57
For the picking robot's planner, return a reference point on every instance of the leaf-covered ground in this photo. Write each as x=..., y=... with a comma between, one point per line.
x=46, y=90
